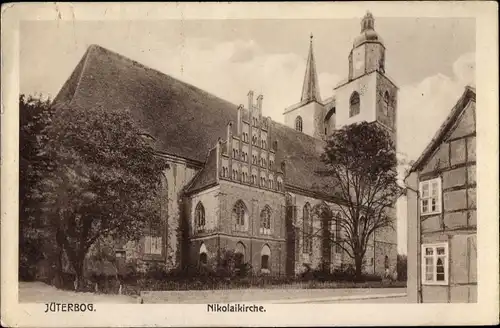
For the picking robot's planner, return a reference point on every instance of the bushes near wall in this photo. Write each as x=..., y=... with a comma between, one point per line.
x=224, y=274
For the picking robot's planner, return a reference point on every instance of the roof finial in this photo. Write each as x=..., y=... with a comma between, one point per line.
x=312, y=36
x=368, y=22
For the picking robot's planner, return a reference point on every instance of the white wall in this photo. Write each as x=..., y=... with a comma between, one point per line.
x=366, y=87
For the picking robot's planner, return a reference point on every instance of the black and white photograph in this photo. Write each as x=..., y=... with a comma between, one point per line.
x=238, y=164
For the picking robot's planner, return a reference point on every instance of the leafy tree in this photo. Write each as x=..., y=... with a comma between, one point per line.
x=361, y=159
x=34, y=163
x=106, y=181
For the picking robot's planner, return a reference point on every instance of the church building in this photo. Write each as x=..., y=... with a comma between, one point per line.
x=237, y=179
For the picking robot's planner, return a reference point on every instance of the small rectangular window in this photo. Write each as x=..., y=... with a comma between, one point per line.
x=435, y=264
x=152, y=245
x=430, y=196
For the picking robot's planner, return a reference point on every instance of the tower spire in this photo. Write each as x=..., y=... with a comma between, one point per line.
x=310, y=89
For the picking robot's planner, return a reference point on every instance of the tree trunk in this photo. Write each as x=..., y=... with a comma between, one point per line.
x=78, y=266
x=58, y=280
x=358, y=262
x=59, y=261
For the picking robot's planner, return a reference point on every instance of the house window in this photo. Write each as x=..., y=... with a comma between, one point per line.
x=240, y=215
x=275, y=146
x=225, y=172
x=265, y=221
x=200, y=217
x=435, y=264
x=307, y=229
x=271, y=183
x=430, y=196
x=254, y=179
x=354, y=104
x=298, y=123
x=152, y=245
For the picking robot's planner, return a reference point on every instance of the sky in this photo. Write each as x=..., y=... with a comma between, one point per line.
x=430, y=59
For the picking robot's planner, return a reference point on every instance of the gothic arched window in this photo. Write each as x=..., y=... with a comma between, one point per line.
x=307, y=229
x=239, y=254
x=386, y=103
x=240, y=215
x=199, y=216
x=354, y=104
x=265, y=221
x=298, y=123
x=203, y=254
x=265, y=255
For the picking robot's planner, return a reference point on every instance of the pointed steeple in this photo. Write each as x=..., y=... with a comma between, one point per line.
x=310, y=89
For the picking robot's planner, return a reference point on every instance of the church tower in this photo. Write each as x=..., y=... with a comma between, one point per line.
x=368, y=94
x=307, y=115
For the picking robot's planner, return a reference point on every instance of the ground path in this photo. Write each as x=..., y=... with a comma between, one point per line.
x=38, y=292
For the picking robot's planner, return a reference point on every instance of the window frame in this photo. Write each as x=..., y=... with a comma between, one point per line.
x=157, y=241
x=439, y=195
x=299, y=123
x=387, y=102
x=307, y=226
x=353, y=111
x=240, y=216
x=265, y=221
x=199, y=217
x=435, y=257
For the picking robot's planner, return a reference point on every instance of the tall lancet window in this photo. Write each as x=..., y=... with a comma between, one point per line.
x=354, y=104
x=298, y=123
x=386, y=103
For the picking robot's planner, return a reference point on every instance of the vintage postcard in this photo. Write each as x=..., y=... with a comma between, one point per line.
x=249, y=164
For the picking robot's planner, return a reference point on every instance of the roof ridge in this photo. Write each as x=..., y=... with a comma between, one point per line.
x=79, y=70
x=85, y=61
x=155, y=71
x=468, y=94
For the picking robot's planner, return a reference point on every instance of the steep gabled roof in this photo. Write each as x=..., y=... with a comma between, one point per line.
x=207, y=176
x=468, y=95
x=184, y=120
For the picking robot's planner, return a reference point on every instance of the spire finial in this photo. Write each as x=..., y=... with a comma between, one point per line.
x=368, y=22
x=310, y=89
